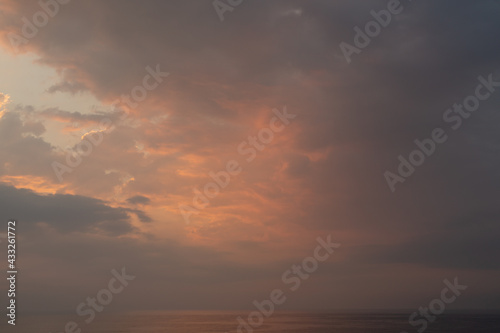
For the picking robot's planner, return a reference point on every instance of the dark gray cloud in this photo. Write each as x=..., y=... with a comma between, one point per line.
x=139, y=200
x=66, y=213
x=69, y=116
x=21, y=150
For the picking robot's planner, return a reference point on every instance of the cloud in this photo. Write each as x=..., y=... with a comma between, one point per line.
x=71, y=87
x=66, y=213
x=139, y=200
x=71, y=117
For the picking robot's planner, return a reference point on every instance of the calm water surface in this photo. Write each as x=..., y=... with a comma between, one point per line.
x=205, y=322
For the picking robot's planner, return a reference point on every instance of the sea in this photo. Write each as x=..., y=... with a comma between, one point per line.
x=278, y=322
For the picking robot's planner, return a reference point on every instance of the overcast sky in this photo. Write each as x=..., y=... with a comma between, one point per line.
x=322, y=174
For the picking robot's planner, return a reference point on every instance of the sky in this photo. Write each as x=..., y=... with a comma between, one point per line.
x=116, y=115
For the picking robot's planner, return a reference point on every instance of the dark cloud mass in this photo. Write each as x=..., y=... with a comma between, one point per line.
x=64, y=212
x=139, y=199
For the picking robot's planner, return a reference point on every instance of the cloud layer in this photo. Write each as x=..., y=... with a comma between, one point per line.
x=323, y=174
